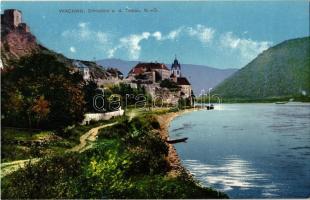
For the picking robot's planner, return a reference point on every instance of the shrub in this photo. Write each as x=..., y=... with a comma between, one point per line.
x=171, y=85
x=55, y=177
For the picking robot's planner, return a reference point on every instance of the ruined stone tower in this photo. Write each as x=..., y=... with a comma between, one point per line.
x=16, y=39
x=12, y=17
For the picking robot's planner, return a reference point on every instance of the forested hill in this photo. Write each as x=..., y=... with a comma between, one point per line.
x=280, y=71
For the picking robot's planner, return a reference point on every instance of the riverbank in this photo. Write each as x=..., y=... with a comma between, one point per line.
x=255, y=100
x=127, y=160
x=173, y=158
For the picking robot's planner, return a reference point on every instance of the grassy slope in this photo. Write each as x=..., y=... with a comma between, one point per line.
x=20, y=144
x=127, y=161
x=281, y=71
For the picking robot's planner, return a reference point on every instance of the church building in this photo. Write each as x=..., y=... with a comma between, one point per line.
x=176, y=76
x=150, y=75
x=176, y=68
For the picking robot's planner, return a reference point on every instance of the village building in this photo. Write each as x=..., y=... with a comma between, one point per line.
x=149, y=72
x=94, y=72
x=150, y=75
x=83, y=69
x=176, y=76
x=186, y=88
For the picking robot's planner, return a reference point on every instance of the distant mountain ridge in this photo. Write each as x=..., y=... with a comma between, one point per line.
x=280, y=71
x=201, y=77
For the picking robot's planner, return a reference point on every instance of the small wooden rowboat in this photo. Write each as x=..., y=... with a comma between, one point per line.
x=211, y=107
x=281, y=102
x=177, y=140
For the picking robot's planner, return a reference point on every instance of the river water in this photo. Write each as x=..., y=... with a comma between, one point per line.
x=248, y=150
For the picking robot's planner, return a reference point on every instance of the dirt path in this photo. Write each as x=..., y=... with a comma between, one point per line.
x=90, y=136
x=131, y=114
x=9, y=167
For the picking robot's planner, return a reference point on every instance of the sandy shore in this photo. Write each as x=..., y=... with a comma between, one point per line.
x=173, y=158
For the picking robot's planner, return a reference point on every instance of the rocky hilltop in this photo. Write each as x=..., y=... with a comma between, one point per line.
x=17, y=41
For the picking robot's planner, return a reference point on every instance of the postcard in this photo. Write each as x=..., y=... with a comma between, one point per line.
x=155, y=99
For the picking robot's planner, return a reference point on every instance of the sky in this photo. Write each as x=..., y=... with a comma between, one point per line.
x=224, y=34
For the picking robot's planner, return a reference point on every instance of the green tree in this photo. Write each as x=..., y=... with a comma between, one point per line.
x=42, y=75
x=90, y=90
x=41, y=109
x=128, y=95
x=171, y=85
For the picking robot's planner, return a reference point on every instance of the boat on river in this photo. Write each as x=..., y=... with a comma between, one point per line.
x=177, y=140
x=281, y=102
x=211, y=107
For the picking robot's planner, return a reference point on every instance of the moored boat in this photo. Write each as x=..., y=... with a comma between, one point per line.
x=177, y=140
x=281, y=102
x=211, y=107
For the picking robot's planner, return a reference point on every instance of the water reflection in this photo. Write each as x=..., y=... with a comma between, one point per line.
x=248, y=150
x=184, y=126
x=232, y=173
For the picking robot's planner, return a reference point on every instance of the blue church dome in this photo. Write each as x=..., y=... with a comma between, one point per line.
x=176, y=64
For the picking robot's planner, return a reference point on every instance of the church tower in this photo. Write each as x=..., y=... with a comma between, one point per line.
x=176, y=68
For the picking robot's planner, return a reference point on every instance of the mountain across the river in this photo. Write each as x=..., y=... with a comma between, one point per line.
x=279, y=72
x=201, y=77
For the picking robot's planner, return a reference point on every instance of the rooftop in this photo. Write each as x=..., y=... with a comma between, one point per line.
x=183, y=81
x=143, y=67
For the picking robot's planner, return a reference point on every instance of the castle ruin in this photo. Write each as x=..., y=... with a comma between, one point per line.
x=12, y=19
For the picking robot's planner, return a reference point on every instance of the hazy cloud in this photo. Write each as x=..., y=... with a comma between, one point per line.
x=132, y=43
x=84, y=33
x=203, y=33
x=172, y=35
x=243, y=48
x=247, y=48
x=72, y=49
x=157, y=35
x=83, y=24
